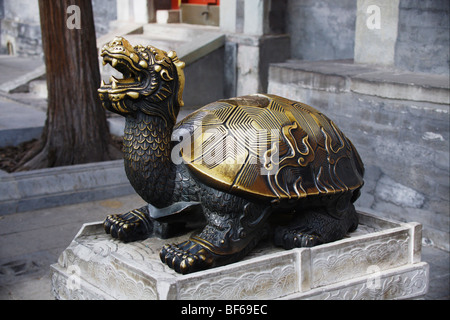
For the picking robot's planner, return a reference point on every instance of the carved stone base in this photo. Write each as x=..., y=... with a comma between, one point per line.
x=381, y=260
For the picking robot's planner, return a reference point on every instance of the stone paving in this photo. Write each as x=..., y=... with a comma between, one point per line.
x=32, y=241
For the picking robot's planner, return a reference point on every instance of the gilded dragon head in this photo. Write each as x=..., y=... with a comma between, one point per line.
x=152, y=83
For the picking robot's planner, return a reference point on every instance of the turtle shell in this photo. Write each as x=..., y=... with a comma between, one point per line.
x=269, y=147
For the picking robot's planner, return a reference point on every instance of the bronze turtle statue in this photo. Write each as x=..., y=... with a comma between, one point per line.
x=238, y=161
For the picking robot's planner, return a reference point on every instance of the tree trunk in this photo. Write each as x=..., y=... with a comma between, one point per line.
x=76, y=129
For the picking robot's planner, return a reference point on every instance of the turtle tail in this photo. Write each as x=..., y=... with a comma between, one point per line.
x=359, y=168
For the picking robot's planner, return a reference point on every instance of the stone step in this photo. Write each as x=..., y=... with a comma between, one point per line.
x=346, y=76
x=17, y=72
x=177, y=31
x=38, y=88
x=53, y=187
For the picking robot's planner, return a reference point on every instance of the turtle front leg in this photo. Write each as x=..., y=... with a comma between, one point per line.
x=187, y=257
x=130, y=226
x=227, y=238
x=164, y=223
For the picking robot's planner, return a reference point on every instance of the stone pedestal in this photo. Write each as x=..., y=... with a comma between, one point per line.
x=381, y=260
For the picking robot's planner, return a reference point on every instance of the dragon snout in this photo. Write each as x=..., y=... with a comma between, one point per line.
x=118, y=45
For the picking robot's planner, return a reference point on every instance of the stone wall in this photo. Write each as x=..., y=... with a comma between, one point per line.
x=205, y=80
x=20, y=27
x=2, y=14
x=423, y=36
x=321, y=30
x=325, y=30
x=20, y=24
x=105, y=11
x=408, y=35
x=255, y=38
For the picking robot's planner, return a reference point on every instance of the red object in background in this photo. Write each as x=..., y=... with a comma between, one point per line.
x=176, y=3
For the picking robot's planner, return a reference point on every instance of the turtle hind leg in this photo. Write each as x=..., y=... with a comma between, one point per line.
x=296, y=237
x=316, y=226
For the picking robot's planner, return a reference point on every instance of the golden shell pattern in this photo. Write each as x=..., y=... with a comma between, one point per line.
x=269, y=147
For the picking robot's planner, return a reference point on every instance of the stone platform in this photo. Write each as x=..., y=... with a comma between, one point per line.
x=381, y=260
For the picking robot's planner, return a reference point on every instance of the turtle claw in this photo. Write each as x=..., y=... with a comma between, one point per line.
x=289, y=239
x=131, y=226
x=186, y=257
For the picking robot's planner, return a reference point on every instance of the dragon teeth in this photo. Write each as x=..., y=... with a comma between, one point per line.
x=133, y=95
x=114, y=62
x=113, y=82
x=134, y=57
x=143, y=64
